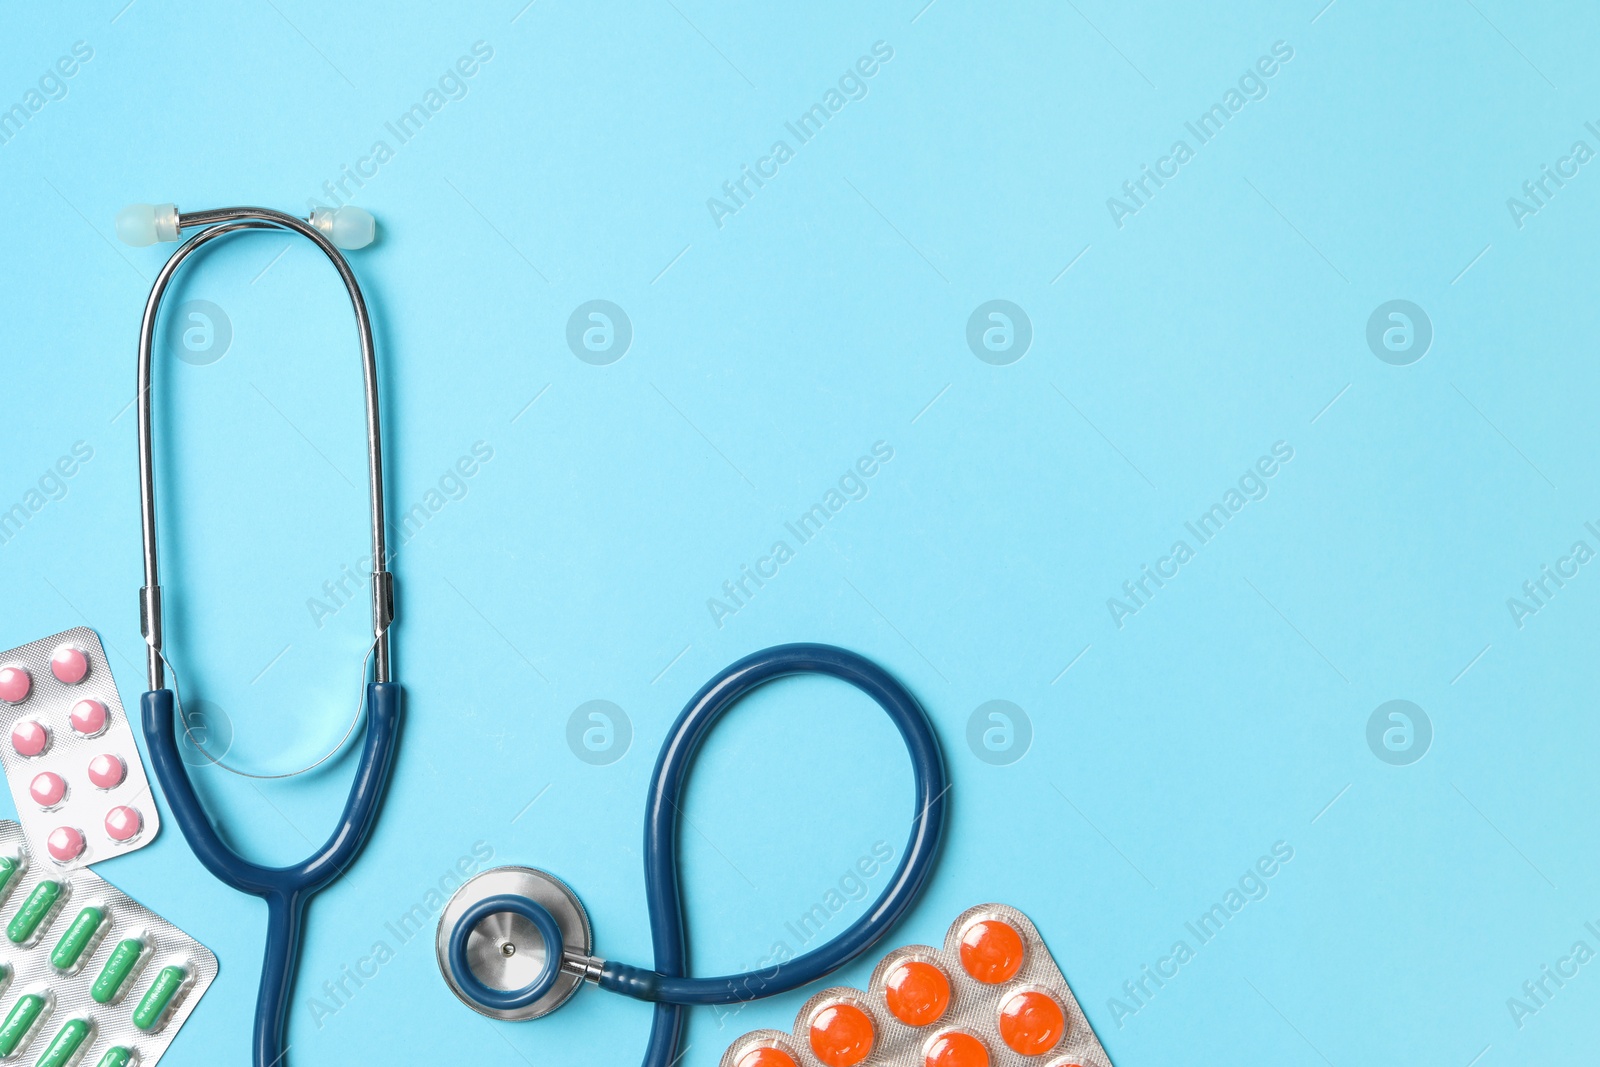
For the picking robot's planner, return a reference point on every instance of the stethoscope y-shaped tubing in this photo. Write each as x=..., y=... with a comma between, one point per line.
x=287, y=890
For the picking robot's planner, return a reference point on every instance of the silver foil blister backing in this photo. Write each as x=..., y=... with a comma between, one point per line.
x=30, y=970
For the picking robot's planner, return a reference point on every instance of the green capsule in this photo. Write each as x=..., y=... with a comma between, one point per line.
x=116, y=1057
x=20, y=1023
x=39, y=906
x=64, y=1049
x=78, y=937
x=119, y=965
x=10, y=868
x=152, y=1010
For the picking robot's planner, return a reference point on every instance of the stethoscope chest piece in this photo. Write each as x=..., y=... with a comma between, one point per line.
x=512, y=943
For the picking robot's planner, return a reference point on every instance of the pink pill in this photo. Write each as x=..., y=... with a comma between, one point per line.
x=124, y=824
x=89, y=717
x=48, y=789
x=65, y=844
x=15, y=684
x=107, y=771
x=70, y=665
x=30, y=737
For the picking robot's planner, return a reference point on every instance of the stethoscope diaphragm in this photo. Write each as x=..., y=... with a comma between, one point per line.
x=505, y=952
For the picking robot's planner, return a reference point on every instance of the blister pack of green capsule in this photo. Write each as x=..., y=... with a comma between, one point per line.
x=88, y=975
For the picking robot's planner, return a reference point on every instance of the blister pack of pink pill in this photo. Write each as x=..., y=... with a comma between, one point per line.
x=69, y=753
x=991, y=997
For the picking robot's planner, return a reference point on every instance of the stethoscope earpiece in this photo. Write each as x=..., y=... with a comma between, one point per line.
x=514, y=943
x=141, y=225
x=348, y=227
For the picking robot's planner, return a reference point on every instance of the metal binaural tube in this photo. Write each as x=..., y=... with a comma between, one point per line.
x=215, y=224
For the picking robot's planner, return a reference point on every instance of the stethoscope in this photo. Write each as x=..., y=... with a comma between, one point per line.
x=513, y=942
x=287, y=890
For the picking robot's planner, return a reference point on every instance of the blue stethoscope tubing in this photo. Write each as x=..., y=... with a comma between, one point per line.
x=668, y=984
x=286, y=890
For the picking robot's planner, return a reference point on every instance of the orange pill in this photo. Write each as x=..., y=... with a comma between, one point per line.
x=766, y=1057
x=1032, y=1023
x=991, y=951
x=956, y=1049
x=917, y=993
x=841, y=1035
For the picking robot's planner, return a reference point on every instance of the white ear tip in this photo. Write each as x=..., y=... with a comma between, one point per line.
x=145, y=224
x=353, y=227
x=136, y=225
x=348, y=227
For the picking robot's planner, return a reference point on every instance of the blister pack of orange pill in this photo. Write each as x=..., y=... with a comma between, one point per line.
x=991, y=997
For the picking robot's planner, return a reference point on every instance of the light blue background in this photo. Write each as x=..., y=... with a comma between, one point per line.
x=830, y=313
